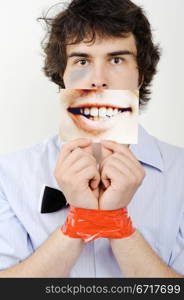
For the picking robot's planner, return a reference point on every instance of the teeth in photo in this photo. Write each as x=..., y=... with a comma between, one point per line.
x=94, y=111
x=109, y=112
x=86, y=111
x=102, y=112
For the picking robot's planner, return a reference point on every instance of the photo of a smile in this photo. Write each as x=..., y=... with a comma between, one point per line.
x=94, y=118
x=99, y=114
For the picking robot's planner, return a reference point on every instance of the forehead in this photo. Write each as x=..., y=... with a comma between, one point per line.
x=104, y=45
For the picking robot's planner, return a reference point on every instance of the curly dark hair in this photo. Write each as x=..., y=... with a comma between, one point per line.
x=83, y=19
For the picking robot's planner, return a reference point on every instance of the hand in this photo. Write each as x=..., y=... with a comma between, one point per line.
x=77, y=175
x=121, y=175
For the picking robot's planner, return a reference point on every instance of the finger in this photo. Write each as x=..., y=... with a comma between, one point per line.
x=89, y=173
x=105, y=179
x=112, y=173
x=120, y=148
x=71, y=146
x=94, y=183
x=88, y=149
x=121, y=160
x=70, y=160
x=121, y=167
x=77, y=160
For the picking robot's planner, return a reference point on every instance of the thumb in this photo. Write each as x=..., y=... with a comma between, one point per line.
x=105, y=180
x=94, y=183
x=106, y=183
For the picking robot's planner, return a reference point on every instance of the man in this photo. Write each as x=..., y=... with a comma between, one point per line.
x=96, y=44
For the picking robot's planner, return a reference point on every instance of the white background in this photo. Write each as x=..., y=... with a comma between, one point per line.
x=29, y=102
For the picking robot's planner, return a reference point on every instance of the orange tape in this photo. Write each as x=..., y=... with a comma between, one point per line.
x=90, y=224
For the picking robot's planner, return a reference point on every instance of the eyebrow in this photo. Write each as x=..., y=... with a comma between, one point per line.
x=79, y=54
x=121, y=52
x=110, y=54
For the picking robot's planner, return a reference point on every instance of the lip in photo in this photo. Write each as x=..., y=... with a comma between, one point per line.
x=99, y=114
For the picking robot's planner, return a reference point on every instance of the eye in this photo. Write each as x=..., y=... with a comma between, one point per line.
x=117, y=60
x=81, y=62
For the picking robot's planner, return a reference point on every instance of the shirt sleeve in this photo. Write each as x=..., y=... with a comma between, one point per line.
x=15, y=244
x=177, y=257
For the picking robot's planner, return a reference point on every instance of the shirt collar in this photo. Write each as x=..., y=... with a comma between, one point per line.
x=147, y=150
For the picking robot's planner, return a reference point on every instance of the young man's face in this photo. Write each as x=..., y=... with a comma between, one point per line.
x=109, y=63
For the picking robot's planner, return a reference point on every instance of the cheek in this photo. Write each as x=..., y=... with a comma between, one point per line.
x=75, y=77
x=78, y=75
x=126, y=77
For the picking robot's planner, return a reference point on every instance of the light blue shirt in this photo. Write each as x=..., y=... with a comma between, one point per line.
x=157, y=208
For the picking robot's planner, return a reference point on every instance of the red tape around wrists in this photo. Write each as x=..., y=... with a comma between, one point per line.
x=90, y=224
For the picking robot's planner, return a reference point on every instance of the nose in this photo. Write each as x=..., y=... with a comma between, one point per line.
x=99, y=85
x=99, y=79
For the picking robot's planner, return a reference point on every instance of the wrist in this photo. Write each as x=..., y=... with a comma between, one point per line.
x=67, y=240
x=91, y=224
x=132, y=237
